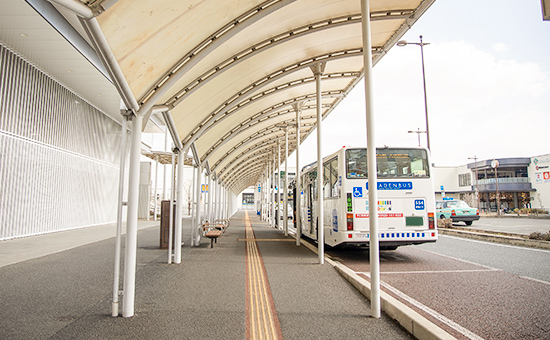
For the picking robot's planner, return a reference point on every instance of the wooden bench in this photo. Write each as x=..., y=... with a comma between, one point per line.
x=213, y=235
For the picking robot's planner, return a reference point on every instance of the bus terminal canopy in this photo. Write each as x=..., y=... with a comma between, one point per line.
x=233, y=73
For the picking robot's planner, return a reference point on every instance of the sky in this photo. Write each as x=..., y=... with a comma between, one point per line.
x=487, y=85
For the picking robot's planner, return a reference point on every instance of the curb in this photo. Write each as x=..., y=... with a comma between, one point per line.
x=420, y=327
x=485, y=236
x=417, y=325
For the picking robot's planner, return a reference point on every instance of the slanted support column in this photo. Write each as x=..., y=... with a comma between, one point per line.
x=179, y=208
x=298, y=109
x=129, y=289
x=318, y=70
x=371, y=161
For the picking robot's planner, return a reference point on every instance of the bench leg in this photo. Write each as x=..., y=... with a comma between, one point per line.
x=212, y=242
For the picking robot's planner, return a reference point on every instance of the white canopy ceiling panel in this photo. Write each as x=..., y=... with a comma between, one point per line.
x=230, y=70
x=150, y=37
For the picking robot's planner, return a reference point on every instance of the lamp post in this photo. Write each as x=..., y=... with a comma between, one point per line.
x=402, y=43
x=494, y=165
x=475, y=171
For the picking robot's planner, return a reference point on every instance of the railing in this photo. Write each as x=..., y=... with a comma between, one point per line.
x=503, y=180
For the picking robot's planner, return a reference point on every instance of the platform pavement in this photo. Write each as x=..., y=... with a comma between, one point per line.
x=60, y=291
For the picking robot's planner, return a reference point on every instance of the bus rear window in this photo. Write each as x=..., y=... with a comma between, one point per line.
x=391, y=163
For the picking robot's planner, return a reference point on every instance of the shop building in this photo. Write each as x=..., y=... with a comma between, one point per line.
x=519, y=183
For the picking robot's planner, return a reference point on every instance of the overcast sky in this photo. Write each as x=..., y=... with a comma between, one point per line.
x=488, y=86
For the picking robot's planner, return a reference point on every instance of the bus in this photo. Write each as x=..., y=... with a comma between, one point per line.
x=406, y=198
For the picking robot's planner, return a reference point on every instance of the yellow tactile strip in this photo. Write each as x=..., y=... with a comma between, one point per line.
x=261, y=316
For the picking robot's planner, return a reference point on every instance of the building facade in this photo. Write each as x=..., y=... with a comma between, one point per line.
x=59, y=154
x=518, y=182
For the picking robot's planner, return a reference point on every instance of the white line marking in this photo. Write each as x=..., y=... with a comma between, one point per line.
x=443, y=271
x=457, y=259
x=536, y=280
x=467, y=333
x=497, y=244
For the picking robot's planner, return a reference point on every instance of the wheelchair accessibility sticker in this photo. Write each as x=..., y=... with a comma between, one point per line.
x=357, y=192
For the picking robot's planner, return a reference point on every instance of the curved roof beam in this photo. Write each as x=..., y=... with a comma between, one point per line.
x=277, y=40
x=274, y=90
x=262, y=133
x=226, y=107
x=251, y=152
x=228, y=137
x=280, y=88
x=206, y=47
x=261, y=162
x=266, y=114
x=238, y=184
x=257, y=134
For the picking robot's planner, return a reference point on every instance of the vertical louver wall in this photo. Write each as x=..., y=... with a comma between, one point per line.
x=58, y=155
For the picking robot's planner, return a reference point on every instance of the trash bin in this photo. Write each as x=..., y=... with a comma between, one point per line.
x=165, y=224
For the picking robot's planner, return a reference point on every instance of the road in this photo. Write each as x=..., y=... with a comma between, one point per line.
x=515, y=225
x=472, y=289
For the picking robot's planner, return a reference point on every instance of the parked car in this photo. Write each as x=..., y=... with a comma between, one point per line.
x=457, y=210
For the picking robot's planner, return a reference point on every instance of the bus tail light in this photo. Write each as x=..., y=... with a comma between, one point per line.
x=349, y=223
x=431, y=221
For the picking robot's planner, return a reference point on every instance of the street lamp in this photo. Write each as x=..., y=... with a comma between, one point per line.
x=417, y=132
x=477, y=188
x=421, y=44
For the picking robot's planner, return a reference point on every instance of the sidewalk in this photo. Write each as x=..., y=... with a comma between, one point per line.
x=67, y=294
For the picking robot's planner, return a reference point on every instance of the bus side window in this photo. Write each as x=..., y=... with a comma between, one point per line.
x=334, y=178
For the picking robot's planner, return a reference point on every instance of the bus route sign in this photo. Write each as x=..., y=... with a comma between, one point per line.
x=393, y=185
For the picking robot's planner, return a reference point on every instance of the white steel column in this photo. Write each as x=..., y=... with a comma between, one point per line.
x=193, y=209
x=219, y=199
x=371, y=160
x=285, y=190
x=209, y=195
x=298, y=179
x=273, y=190
x=165, y=178
x=116, y=281
x=198, y=197
x=130, y=254
x=179, y=208
x=318, y=71
x=156, y=189
x=279, y=195
x=171, y=218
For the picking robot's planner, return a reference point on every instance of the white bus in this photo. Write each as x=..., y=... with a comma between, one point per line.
x=406, y=199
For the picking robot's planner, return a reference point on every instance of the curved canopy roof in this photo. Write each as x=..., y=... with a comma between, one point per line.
x=232, y=73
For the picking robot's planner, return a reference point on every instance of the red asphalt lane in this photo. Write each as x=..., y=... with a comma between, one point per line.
x=488, y=302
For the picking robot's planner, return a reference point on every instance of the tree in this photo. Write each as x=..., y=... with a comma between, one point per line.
x=188, y=189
